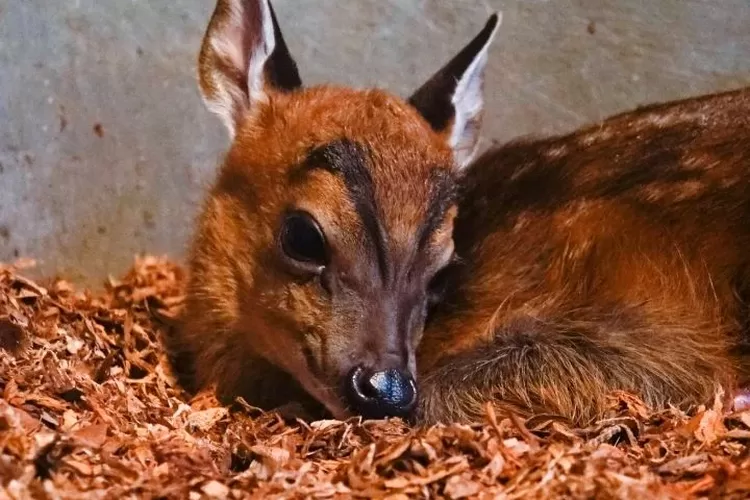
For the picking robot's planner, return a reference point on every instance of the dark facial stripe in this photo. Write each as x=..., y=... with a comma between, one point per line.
x=443, y=195
x=348, y=159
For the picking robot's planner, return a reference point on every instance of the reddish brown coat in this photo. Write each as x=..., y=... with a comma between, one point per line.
x=612, y=258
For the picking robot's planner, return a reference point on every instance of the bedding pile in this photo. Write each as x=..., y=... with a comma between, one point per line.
x=89, y=409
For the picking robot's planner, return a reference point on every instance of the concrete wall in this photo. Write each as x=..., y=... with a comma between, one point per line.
x=105, y=146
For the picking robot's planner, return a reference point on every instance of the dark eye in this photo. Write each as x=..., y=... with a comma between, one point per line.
x=302, y=239
x=438, y=285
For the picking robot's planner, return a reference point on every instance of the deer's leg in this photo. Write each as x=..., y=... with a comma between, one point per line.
x=569, y=366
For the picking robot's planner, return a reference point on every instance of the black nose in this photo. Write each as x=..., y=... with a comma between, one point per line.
x=388, y=393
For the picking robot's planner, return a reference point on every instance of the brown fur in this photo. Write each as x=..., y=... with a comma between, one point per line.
x=613, y=258
x=242, y=311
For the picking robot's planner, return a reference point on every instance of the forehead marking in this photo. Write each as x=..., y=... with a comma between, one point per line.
x=349, y=160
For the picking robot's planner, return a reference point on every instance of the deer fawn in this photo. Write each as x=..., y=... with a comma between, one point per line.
x=348, y=246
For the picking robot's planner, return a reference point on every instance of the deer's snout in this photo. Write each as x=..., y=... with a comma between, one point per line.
x=380, y=394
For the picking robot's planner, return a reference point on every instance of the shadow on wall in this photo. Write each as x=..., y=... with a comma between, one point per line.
x=105, y=147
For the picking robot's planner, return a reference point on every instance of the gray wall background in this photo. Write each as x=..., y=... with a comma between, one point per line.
x=105, y=147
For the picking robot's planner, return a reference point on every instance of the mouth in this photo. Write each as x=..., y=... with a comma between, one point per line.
x=291, y=359
x=325, y=394
x=365, y=392
x=375, y=396
x=327, y=397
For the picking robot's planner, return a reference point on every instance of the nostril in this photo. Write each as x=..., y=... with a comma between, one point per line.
x=367, y=388
x=356, y=388
x=382, y=393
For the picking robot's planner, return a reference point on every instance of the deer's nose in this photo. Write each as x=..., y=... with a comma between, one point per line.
x=380, y=394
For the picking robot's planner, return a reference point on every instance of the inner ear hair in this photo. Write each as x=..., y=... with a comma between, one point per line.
x=243, y=56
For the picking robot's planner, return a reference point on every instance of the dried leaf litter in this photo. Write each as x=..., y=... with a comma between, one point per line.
x=88, y=409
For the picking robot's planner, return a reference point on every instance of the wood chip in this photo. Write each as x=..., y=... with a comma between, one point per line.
x=215, y=489
x=92, y=436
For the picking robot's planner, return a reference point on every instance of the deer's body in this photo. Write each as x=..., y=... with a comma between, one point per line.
x=613, y=258
x=327, y=269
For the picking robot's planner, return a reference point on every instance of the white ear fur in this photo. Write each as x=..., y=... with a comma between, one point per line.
x=468, y=102
x=260, y=55
x=451, y=100
x=224, y=98
x=243, y=52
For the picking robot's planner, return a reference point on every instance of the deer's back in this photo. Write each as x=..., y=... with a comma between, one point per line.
x=648, y=210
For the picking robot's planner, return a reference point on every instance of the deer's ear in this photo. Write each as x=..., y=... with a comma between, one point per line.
x=243, y=56
x=452, y=100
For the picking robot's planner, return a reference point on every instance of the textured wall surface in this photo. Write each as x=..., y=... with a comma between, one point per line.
x=105, y=146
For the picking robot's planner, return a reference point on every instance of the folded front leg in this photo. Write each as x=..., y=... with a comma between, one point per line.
x=570, y=364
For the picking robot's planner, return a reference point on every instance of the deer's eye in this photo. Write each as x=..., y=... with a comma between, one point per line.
x=438, y=286
x=303, y=240
x=442, y=281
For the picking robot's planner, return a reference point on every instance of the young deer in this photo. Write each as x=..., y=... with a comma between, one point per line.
x=613, y=258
